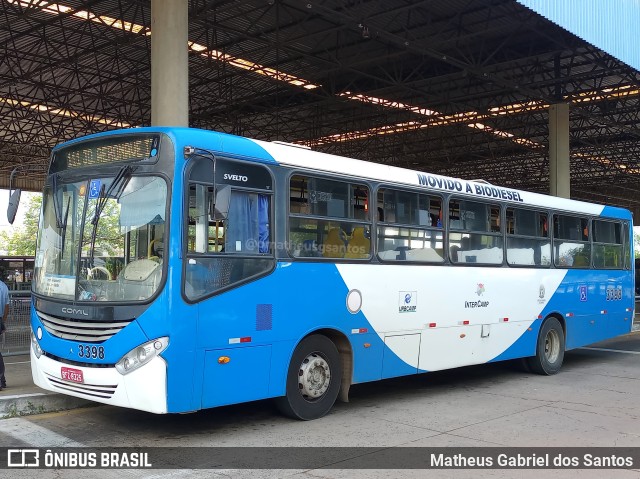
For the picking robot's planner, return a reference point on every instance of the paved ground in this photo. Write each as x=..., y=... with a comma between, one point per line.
x=594, y=402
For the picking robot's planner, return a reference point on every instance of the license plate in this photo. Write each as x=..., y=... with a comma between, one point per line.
x=73, y=375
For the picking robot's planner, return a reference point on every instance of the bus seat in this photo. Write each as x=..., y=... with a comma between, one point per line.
x=334, y=244
x=359, y=245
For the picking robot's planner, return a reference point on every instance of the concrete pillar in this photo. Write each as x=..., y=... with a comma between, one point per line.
x=559, y=171
x=169, y=63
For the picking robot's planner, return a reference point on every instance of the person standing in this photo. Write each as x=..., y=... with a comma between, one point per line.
x=4, y=309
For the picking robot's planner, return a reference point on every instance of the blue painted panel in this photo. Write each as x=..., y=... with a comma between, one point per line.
x=367, y=360
x=244, y=378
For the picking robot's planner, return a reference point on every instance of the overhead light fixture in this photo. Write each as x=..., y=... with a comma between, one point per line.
x=41, y=108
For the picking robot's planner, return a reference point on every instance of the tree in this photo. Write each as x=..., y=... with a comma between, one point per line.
x=22, y=241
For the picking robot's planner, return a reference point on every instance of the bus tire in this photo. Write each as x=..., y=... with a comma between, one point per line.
x=313, y=379
x=549, y=350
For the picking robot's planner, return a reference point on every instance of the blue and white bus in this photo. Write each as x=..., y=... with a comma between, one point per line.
x=179, y=269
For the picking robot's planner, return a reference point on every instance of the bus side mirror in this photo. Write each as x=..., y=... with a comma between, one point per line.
x=219, y=209
x=14, y=201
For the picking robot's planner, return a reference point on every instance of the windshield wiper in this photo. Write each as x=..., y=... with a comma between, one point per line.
x=115, y=189
x=64, y=227
x=61, y=223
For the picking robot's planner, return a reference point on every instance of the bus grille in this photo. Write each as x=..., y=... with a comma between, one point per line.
x=81, y=330
x=102, y=391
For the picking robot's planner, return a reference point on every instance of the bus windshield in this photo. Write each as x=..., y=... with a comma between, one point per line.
x=101, y=238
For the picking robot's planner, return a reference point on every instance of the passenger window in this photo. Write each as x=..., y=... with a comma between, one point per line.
x=328, y=219
x=409, y=227
x=233, y=246
x=475, y=235
x=528, y=242
x=571, y=246
x=608, y=245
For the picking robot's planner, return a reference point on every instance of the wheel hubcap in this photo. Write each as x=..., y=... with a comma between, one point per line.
x=314, y=377
x=552, y=346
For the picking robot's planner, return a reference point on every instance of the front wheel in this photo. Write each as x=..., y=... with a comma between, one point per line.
x=313, y=379
x=549, y=350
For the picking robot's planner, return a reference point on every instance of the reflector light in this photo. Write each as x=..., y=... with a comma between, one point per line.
x=432, y=325
x=224, y=359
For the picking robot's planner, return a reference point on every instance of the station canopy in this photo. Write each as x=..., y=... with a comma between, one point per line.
x=453, y=87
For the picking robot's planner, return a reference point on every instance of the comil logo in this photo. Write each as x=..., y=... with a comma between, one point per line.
x=75, y=311
x=23, y=458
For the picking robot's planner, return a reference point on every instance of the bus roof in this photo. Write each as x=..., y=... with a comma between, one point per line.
x=323, y=162
x=300, y=157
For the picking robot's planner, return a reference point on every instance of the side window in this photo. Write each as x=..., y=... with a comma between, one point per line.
x=475, y=232
x=528, y=242
x=627, y=246
x=608, y=245
x=328, y=219
x=233, y=246
x=203, y=234
x=409, y=226
x=571, y=246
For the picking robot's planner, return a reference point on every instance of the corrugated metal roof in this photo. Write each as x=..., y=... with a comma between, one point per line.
x=611, y=25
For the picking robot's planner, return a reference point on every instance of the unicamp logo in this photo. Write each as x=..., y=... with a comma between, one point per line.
x=407, y=301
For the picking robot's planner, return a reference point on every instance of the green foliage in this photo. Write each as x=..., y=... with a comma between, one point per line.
x=22, y=241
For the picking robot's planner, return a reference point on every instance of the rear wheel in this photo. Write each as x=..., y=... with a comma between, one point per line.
x=313, y=379
x=550, y=349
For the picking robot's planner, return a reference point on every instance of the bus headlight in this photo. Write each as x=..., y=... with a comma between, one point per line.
x=36, y=347
x=141, y=355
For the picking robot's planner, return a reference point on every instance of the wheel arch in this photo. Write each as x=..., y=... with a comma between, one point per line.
x=550, y=348
x=560, y=319
x=345, y=350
